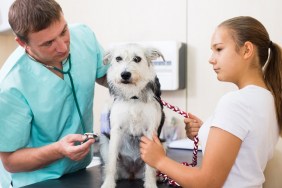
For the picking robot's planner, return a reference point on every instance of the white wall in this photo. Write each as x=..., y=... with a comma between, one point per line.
x=188, y=21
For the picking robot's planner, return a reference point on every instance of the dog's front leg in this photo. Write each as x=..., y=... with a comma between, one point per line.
x=150, y=180
x=110, y=168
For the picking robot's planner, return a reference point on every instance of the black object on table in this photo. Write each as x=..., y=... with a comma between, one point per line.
x=92, y=177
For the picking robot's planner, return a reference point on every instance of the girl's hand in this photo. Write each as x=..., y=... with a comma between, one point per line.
x=193, y=124
x=152, y=151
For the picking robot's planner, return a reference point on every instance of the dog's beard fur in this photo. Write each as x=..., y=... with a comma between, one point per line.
x=136, y=111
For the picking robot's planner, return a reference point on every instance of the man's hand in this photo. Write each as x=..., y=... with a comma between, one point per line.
x=70, y=146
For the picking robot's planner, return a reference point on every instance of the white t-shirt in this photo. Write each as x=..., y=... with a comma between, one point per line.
x=249, y=114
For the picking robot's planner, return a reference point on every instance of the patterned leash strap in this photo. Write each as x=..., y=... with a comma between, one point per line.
x=163, y=177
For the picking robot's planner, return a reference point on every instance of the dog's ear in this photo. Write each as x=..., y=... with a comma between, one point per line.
x=107, y=57
x=153, y=54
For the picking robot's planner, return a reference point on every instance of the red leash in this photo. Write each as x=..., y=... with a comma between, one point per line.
x=163, y=177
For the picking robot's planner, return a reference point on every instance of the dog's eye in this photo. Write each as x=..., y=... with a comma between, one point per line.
x=137, y=59
x=118, y=58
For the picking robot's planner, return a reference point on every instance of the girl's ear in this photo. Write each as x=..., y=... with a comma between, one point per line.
x=153, y=54
x=248, y=49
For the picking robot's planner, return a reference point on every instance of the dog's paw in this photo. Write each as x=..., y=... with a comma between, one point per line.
x=108, y=184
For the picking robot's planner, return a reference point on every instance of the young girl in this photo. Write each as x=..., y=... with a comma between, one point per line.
x=239, y=138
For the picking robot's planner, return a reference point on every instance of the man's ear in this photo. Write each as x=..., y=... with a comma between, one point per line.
x=248, y=49
x=21, y=43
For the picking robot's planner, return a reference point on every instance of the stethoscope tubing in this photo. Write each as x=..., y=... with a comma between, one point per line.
x=73, y=90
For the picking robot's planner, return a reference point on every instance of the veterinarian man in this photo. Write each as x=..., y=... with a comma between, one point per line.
x=46, y=95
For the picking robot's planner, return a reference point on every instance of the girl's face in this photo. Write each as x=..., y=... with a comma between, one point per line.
x=227, y=62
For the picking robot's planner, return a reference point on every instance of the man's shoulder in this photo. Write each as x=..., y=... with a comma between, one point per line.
x=82, y=34
x=14, y=59
x=79, y=28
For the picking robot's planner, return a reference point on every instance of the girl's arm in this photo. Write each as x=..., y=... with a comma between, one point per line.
x=221, y=151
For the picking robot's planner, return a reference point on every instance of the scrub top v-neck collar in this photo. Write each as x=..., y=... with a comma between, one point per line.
x=65, y=66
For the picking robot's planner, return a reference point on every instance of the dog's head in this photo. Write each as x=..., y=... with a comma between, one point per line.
x=131, y=66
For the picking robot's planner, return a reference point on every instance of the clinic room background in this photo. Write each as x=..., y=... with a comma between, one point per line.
x=188, y=21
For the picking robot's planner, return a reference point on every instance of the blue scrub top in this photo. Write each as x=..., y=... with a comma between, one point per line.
x=37, y=107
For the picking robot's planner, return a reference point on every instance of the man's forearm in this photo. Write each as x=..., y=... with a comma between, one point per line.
x=30, y=159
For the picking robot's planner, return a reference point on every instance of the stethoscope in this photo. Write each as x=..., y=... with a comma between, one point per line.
x=72, y=88
x=87, y=134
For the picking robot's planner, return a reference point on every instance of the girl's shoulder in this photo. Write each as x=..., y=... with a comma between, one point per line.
x=246, y=95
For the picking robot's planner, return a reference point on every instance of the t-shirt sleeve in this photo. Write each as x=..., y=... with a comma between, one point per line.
x=232, y=115
x=15, y=121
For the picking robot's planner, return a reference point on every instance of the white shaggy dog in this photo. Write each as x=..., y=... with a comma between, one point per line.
x=136, y=111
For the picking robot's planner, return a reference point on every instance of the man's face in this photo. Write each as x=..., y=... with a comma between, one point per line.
x=51, y=45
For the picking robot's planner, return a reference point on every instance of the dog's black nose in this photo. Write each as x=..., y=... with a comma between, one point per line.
x=125, y=75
